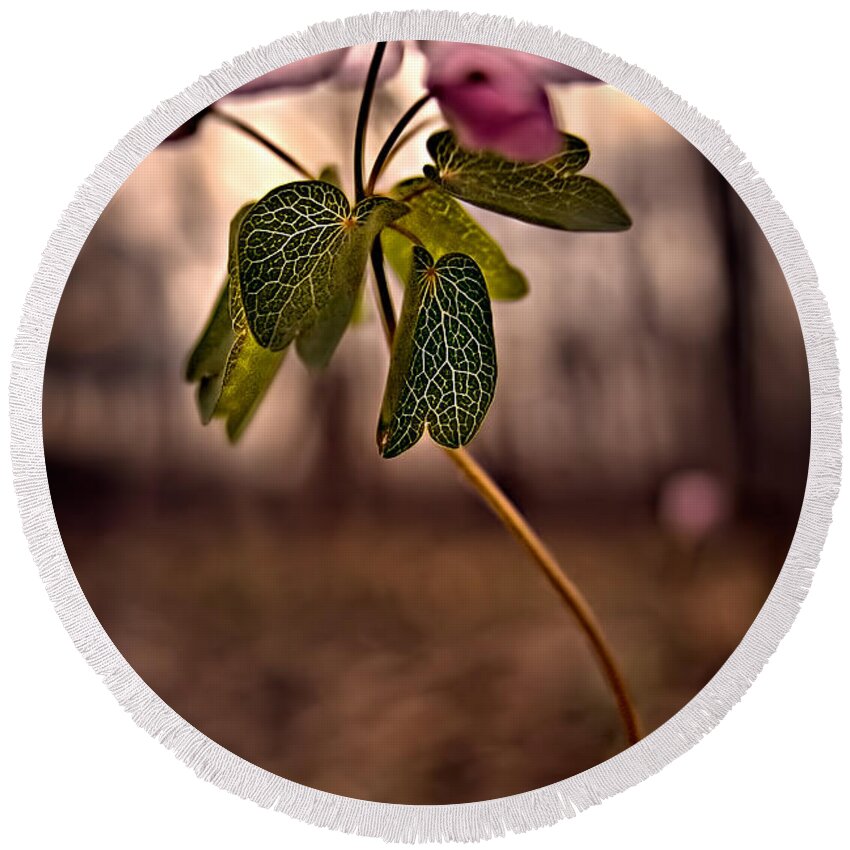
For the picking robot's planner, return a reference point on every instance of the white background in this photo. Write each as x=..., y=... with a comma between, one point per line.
x=75, y=78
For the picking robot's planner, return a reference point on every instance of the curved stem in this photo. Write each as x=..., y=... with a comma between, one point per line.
x=279, y=152
x=385, y=299
x=516, y=523
x=363, y=118
x=426, y=186
x=411, y=237
x=386, y=149
x=411, y=134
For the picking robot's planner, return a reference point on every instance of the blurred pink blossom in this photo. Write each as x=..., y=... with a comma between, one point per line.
x=693, y=503
x=347, y=66
x=495, y=98
x=305, y=72
x=352, y=72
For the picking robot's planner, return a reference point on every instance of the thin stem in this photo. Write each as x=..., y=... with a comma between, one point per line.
x=385, y=298
x=516, y=523
x=386, y=149
x=363, y=118
x=412, y=133
x=513, y=520
x=412, y=237
x=279, y=152
x=425, y=187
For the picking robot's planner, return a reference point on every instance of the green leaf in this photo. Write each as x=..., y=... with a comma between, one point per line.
x=548, y=193
x=210, y=352
x=443, y=366
x=302, y=253
x=444, y=227
x=318, y=342
x=238, y=391
x=233, y=372
x=361, y=313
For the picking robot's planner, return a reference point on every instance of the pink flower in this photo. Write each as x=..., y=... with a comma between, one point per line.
x=347, y=66
x=299, y=74
x=693, y=503
x=495, y=98
x=355, y=66
x=305, y=72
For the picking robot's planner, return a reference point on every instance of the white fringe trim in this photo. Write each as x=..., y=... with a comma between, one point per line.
x=471, y=821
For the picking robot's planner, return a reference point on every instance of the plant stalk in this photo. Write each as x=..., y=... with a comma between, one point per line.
x=409, y=136
x=516, y=523
x=386, y=150
x=382, y=291
x=279, y=152
x=411, y=237
x=363, y=118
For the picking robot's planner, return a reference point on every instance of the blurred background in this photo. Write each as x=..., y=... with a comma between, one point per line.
x=365, y=626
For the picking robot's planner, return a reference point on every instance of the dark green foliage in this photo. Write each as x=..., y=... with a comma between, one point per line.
x=547, y=193
x=443, y=367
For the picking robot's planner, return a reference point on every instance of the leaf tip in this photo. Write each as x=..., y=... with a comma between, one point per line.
x=388, y=444
x=235, y=428
x=382, y=438
x=190, y=369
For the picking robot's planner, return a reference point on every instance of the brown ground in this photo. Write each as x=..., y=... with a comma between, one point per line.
x=412, y=658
